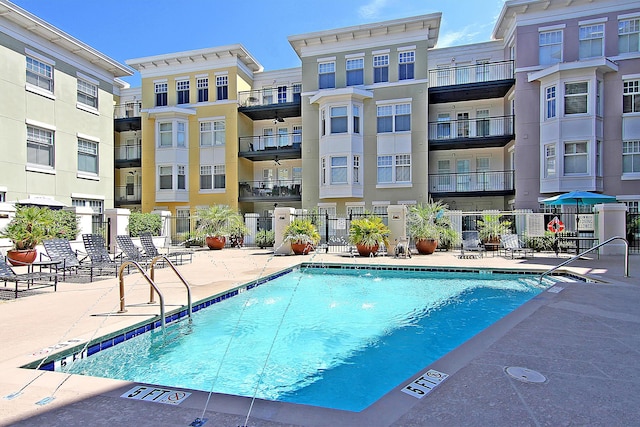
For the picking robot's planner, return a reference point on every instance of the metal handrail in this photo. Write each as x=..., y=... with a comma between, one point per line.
x=148, y=279
x=626, y=257
x=175, y=270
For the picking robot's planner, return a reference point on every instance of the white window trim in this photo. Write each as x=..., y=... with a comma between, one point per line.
x=40, y=125
x=87, y=137
x=552, y=28
x=405, y=48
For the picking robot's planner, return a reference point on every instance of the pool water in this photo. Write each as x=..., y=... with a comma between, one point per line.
x=324, y=337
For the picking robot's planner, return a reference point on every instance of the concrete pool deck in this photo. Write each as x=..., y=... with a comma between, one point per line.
x=585, y=340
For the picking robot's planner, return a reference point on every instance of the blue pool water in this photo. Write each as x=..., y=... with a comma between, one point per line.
x=324, y=337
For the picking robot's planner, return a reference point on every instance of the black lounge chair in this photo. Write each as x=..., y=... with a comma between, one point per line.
x=131, y=251
x=32, y=279
x=60, y=250
x=96, y=249
x=150, y=249
x=472, y=245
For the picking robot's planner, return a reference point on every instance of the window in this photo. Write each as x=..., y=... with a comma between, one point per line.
x=355, y=71
x=182, y=178
x=380, y=68
x=575, y=158
x=591, y=41
x=482, y=123
x=202, y=84
x=631, y=157
x=599, y=98
x=87, y=93
x=550, y=106
x=444, y=126
x=385, y=169
x=206, y=179
x=40, y=146
x=323, y=121
x=182, y=90
x=39, y=74
x=338, y=120
x=549, y=160
x=267, y=95
x=550, y=47
x=631, y=96
x=598, y=158
x=355, y=211
x=338, y=170
x=356, y=119
x=219, y=177
x=3, y=196
x=181, y=134
x=406, y=62
x=297, y=91
x=165, y=177
x=182, y=220
x=323, y=171
x=87, y=156
x=166, y=134
x=394, y=118
x=222, y=87
x=403, y=168
x=629, y=35
x=161, y=94
x=297, y=135
x=282, y=94
x=380, y=210
x=575, y=98
x=326, y=75
x=212, y=133
x=356, y=169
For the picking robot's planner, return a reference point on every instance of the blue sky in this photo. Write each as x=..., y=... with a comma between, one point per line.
x=126, y=29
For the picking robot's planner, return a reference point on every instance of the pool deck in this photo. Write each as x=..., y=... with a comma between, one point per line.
x=584, y=340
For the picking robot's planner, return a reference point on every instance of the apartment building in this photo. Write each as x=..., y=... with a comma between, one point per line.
x=56, y=115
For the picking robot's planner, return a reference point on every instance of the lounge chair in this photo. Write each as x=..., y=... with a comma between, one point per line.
x=60, y=250
x=472, y=245
x=96, y=249
x=150, y=249
x=33, y=279
x=511, y=245
x=131, y=251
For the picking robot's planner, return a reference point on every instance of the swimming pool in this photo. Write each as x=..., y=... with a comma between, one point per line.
x=326, y=337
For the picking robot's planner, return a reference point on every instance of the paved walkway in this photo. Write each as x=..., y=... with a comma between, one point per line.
x=585, y=341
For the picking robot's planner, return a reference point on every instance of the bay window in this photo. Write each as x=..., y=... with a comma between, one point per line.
x=575, y=98
x=576, y=159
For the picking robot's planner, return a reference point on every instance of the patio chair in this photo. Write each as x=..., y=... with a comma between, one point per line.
x=402, y=248
x=472, y=245
x=511, y=245
x=131, y=251
x=96, y=249
x=60, y=250
x=150, y=249
x=33, y=279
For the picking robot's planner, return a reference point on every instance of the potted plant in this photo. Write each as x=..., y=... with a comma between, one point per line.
x=368, y=234
x=216, y=223
x=302, y=234
x=265, y=238
x=428, y=224
x=237, y=231
x=490, y=227
x=30, y=227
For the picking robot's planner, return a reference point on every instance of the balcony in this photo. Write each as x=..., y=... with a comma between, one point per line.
x=472, y=184
x=127, y=116
x=270, y=191
x=128, y=156
x=130, y=194
x=276, y=103
x=489, y=132
x=276, y=147
x=470, y=82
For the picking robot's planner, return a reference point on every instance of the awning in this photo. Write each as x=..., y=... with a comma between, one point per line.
x=41, y=201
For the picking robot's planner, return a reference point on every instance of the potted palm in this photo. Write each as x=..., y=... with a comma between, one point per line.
x=491, y=227
x=30, y=227
x=302, y=234
x=367, y=234
x=429, y=225
x=215, y=224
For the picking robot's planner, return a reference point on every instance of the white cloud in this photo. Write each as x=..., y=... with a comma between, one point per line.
x=372, y=9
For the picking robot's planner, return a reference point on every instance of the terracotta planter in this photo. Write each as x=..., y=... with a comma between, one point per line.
x=367, y=250
x=21, y=257
x=215, y=242
x=301, y=248
x=426, y=246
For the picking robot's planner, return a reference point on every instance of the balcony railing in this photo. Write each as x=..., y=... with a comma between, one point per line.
x=128, y=194
x=471, y=128
x=127, y=110
x=472, y=182
x=476, y=73
x=128, y=152
x=270, y=96
x=270, y=190
x=285, y=141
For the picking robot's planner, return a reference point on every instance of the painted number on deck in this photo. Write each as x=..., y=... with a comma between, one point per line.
x=423, y=385
x=157, y=395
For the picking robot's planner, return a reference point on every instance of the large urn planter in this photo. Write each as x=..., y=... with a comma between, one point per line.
x=367, y=250
x=426, y=246
x=215, y=242
x=22, y=256
x=301, y=248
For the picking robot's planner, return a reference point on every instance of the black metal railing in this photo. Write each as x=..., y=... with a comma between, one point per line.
x=128, y=152
x=471, y=182
x=476, y=73
x=127, y=110
x=277, y=189
x=270, y=96
x=633, y=232
x=471, y=128
x=285, y=141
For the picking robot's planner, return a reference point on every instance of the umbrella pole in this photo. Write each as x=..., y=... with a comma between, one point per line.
x=577, y=225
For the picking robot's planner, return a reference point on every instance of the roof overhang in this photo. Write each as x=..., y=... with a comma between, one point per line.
x=345, y=92
x=604, y=65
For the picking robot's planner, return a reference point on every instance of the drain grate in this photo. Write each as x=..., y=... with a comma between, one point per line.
x=525, y=375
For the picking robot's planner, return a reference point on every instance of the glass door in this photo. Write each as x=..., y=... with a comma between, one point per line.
x=463, y=176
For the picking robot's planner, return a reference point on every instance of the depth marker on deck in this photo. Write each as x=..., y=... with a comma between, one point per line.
x=426, y=382
x=157, y=395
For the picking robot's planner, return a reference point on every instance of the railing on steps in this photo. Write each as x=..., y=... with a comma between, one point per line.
x=626, y=257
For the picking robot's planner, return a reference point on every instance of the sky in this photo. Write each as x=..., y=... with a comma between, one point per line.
x=128, y=29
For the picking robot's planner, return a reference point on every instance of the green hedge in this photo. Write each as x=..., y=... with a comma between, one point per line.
x=141, y=222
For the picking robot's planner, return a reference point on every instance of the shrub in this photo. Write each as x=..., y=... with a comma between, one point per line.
x=144, y=222
x=65, y=224
x=265, y=238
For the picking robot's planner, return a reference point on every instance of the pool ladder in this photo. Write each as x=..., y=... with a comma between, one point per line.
x=626, y=257
x=153, y=287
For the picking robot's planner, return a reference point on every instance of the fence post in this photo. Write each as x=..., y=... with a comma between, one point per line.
x=119, y=219
x=283, y=217
x=251, y=221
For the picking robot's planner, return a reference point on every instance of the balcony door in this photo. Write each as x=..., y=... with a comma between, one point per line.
x=463, y=175
x=463, y=125
x=482, y=122
x=269, y=138
x=283, y=137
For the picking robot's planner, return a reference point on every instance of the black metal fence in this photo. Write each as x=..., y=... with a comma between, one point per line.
x=633, y=232
x=102, y=226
